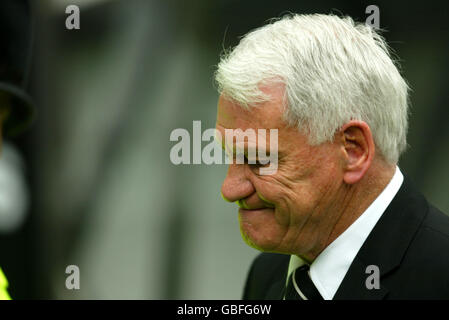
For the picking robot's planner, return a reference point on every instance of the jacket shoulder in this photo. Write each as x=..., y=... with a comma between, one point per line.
x=424, y=270
x=437, y=221
x=432, y=239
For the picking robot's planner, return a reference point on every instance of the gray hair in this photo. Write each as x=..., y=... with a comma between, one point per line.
x=333, y=69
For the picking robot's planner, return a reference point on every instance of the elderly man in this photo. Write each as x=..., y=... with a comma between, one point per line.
x=337, y=219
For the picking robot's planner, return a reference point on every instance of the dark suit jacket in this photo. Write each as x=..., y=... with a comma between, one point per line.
x=409, y=244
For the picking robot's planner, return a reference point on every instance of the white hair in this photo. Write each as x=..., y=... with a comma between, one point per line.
x=333, y=69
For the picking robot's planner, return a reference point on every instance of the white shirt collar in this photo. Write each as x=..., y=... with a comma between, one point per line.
x=330, y=267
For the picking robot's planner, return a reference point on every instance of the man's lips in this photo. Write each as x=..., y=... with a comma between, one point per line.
x=242, y=203
x=249, y=211
x=256, y=217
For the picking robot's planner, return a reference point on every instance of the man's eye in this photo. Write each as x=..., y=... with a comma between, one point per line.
x=259, y=163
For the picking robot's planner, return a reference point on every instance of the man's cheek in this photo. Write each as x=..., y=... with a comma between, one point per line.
x=267, y=202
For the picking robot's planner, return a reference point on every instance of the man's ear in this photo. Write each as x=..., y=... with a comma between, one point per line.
x=358, y=150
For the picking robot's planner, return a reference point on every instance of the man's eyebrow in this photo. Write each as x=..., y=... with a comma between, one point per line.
x=255, y=149
x=247, y=150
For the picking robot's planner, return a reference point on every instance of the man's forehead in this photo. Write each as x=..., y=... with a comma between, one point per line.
x=231, y=115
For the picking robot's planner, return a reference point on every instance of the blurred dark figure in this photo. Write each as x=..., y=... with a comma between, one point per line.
x=15, y=57
x=16, y=108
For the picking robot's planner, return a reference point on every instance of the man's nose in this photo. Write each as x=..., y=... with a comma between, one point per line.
x=236, y=186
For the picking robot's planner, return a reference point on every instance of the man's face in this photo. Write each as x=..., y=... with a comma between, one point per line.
x=295, y=209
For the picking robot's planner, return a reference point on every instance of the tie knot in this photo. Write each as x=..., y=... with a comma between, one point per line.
x=300, y=286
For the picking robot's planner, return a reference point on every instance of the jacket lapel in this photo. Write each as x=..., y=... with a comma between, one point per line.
x=276, y=291
x=386, y=244
x=277, y=288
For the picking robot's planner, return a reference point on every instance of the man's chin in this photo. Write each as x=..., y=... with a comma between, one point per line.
x=257, y=228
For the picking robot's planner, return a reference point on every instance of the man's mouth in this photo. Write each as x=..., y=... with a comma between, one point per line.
x=243, y=205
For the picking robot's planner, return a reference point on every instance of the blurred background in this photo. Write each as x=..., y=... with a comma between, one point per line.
x=91, y=184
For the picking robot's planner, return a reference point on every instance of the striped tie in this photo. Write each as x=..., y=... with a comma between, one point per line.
x=301, y=287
